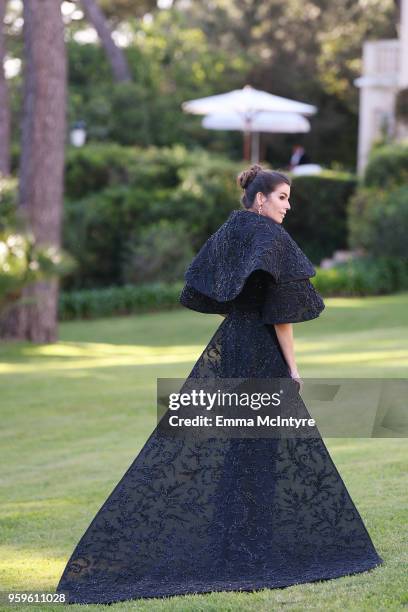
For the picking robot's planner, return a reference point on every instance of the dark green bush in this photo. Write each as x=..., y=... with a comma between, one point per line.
x=94, y=167
x=387, y=166
x=23, y=262
x=363, y=276
x=378, y=221
x=318, y=216
x=8, y=202
x=91, y=233
x=115, y=191
x=97, y=166
x=205, y=196
x=158, y=252
x=115, y=301
x=99, y=227
x=134, y=102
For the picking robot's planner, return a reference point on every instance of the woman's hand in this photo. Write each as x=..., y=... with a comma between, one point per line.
x=296, y=376
x=284, y=333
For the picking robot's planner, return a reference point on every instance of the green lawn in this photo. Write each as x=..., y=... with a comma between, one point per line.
x=76, y=413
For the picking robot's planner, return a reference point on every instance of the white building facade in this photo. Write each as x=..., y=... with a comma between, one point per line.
x=385, y=72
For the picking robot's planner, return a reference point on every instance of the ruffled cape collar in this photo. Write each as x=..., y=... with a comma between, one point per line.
x=245, y=242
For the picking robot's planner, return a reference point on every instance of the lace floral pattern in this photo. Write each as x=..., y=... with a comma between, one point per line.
x=199, y=515
x=252, y=263
x=291, y=302
x=246, y=242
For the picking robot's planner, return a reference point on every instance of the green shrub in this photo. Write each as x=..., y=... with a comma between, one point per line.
x=97, y=166
x=157, y=252
x=23, y=262
x=387, y=166
x=94, y=167
x=97, y=228
x=378, y=221
x=363, y=276
x=8, y=202
x=113, y=192
x=91, y=231
x=115, y=301
x=134, y=102
x=205, y=196
x=318, y=216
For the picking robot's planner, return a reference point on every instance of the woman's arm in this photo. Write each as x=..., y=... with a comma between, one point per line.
x=284, y=332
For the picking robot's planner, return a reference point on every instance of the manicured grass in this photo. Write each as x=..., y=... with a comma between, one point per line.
x=76, y=413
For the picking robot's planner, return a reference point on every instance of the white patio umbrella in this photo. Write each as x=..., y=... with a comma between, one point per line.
x=248, y=102
x=263, y=121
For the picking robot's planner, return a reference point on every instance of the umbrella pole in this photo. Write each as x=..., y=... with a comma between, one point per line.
x=247, y=146
x=255, y=148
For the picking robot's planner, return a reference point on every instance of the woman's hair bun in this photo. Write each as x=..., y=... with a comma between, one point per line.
x=247, y=176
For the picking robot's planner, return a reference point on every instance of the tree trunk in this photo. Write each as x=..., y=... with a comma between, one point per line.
x=114, y=54
x=4, y=101
x=42, y=160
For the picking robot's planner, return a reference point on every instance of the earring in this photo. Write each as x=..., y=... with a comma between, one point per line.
x=259, y=208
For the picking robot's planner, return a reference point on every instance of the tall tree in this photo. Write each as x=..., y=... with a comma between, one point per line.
x=4, y=101
x=42, y=159
x=114, y=53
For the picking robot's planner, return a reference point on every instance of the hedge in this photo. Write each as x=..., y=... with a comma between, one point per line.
x=318, y=216
x=365, y=276
x=116, y=301
x=378, y=221
x=113, y=191
x=387, y=166
x=115, y=195
x=361, y=277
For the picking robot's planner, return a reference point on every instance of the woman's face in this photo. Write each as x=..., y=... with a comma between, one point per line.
x=276, y=204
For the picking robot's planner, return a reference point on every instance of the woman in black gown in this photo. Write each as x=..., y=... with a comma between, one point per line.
x=195, y=515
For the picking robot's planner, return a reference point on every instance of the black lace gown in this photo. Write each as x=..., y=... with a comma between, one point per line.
x=200, y=515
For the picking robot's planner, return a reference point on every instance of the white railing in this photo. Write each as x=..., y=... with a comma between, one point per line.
x=381, y=58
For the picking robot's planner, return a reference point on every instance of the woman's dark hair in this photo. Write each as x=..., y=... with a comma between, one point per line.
x=256, y=179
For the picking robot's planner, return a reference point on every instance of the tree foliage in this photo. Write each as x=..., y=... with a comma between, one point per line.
x=309, y=50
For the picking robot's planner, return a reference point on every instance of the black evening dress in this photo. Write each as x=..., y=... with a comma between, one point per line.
x=202, y=515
